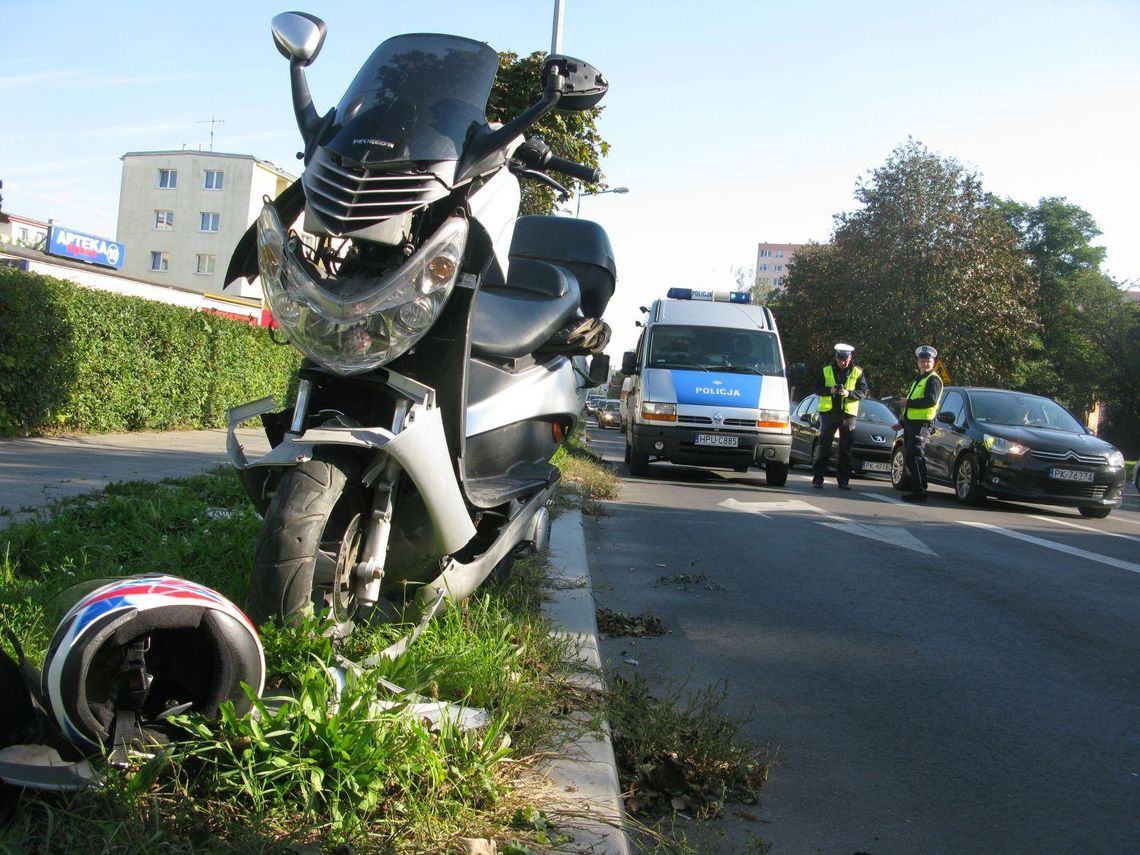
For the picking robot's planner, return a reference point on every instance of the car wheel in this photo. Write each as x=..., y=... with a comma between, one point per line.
x=900, y=478
x=1095, y=513
x=776, y=474
x=638, y=463
x=967, y=481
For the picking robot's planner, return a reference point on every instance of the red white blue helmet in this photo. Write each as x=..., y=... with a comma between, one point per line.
x=148, y=645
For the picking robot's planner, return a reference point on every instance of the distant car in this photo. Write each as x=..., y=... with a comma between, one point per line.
x=1012, y=445
x=592, y=404
x=870, y=447
x=609, y=414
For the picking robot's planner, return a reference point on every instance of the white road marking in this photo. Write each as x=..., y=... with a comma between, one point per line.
x=1084, y=527
x=892, y=535
x=890, y=500
x=1060, y=547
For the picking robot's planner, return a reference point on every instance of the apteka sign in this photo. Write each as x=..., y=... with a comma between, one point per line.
x=94, y=250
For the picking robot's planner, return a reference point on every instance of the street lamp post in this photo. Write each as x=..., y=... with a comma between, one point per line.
x=578, y=210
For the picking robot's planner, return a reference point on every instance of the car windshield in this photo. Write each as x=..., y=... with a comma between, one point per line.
x=715, y=349
x=612, y=405
x=876, y=412
x=1015, y=408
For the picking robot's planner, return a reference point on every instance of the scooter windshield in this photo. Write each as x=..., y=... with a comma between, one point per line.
x=416, y=98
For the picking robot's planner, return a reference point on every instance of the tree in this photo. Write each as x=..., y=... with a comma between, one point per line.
x=1078, y=305
x=928, y=258
x=572, y=135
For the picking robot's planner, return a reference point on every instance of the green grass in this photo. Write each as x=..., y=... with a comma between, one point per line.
x=378, y=780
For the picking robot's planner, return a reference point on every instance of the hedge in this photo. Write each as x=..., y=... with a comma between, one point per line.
x=75, y=360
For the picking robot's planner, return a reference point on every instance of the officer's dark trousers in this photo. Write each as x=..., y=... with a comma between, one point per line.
x=915, y=435
x=827, y=423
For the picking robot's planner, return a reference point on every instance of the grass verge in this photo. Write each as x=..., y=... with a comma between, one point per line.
x=304, y=773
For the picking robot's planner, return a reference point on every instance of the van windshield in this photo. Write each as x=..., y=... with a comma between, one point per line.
x=715, y=349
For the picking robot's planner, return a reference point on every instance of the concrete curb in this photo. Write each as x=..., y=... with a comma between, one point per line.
x=587, y=772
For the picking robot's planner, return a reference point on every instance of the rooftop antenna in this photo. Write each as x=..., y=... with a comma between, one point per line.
x=211, y=122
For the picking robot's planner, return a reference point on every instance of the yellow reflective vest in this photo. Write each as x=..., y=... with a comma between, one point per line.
x=918, y=390
x=850, y=405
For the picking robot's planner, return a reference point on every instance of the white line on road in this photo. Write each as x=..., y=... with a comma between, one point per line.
x=890, y=500
x=1084, y=527
x=893, y=535
x=1060, y=547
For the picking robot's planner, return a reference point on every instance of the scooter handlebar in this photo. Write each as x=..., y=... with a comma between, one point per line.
x=581, y=171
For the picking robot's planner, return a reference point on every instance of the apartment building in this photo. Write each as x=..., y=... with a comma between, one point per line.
x=22, y=231
x=181, y=213
x=772, y=261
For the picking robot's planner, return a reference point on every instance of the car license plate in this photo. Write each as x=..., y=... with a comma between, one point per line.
x=722, y=440
x=876, y=467
x=1071, y=475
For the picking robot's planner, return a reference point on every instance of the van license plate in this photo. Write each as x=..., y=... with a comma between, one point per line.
x=1071, y=475
x=722, y=440
x=876, y=467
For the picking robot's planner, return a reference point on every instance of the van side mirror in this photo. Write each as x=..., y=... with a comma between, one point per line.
x=629, y=362
x=600, y=369
x=946, y=417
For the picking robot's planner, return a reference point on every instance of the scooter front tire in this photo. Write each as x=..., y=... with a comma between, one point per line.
x=313, y=530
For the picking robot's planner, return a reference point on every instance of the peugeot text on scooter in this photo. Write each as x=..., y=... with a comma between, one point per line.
x=445, y=337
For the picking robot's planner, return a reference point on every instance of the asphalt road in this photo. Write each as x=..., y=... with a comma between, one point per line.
x=929, y=679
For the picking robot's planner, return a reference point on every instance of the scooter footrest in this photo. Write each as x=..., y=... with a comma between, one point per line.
x=488, y=492
x=581, y=336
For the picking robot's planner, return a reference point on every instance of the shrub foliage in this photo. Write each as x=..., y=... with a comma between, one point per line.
x=75, y=360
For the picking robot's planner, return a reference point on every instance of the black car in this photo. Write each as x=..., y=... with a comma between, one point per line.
x=870, y=446
x=1012, y=445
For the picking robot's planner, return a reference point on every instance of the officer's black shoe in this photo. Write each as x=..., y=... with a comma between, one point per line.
x=917, y=496
x=844, y=486
x=817, y=483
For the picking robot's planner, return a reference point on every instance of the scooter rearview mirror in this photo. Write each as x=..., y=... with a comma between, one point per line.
x=298, y=36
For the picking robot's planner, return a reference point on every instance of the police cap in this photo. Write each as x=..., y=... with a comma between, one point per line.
x=926, y=352
x=844, y=349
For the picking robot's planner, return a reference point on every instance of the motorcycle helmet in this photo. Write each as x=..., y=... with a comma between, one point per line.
x=926, y=352
x=138, y=648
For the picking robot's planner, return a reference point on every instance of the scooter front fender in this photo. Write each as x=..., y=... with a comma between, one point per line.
x=420, y=449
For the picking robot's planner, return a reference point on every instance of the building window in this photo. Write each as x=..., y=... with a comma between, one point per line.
x=763, y=266
x=167, y=179
x=765, y=253
x=159, y=261
x=206, y=264
x=213, y=179
x=209, y=222
x=779, y=253
x=164, y=220
x=779, y=267
x=23, y=235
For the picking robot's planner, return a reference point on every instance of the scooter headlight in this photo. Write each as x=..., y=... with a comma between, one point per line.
x=351, y=325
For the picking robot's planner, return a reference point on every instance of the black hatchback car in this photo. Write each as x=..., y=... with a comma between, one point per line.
x=1014, y=445
x=870, y=446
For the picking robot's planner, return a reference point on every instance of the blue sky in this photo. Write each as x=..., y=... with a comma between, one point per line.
x=731, y=122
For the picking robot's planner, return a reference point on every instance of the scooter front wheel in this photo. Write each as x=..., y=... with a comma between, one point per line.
x=310, y=542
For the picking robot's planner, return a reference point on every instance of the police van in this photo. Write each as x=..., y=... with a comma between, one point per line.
x=709, y=386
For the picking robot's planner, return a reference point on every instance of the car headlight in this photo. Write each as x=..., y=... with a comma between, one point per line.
x=1116, y=459
x=658, y=412
x=1001, y=445
x=351, y=325
x=776, y=419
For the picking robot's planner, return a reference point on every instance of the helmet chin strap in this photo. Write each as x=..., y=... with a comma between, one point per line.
x=134, y=686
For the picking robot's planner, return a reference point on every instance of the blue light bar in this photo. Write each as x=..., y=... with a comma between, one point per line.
x=709, y=296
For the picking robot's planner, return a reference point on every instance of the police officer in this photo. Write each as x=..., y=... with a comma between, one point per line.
x=840, y=386
x=917, y=420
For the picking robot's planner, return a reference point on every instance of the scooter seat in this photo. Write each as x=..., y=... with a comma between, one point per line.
x=513, y=320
